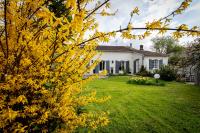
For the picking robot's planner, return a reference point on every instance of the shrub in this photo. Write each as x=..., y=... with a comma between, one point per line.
x=144, y=72
x=167, y=73
x=42, y=68
x=138, y=80
x=155, y=83
x=143, y=81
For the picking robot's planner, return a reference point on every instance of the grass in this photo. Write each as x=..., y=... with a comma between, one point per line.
x=139, y=108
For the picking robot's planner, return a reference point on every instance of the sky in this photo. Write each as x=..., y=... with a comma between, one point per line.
x=149, y=10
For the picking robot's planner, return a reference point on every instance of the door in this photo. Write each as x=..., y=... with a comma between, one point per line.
x=136, y=66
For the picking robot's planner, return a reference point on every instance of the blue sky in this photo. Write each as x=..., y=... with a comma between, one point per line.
x=149, y=10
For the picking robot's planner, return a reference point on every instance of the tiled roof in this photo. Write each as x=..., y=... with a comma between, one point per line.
x=114, y=48
x=129, y=49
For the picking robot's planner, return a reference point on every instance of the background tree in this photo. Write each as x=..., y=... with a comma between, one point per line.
x=192, y=59
x=164, y=45
x=168, y=45
x=44, y=56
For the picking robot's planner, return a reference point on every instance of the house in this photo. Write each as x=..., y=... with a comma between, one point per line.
x=126, y=59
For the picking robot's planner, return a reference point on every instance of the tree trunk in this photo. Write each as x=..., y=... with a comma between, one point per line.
x=197, y=77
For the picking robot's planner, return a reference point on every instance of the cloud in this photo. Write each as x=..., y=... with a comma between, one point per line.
x=194, y=7
x=149, y=10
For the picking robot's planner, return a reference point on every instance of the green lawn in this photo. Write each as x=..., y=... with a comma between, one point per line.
x=137, y=108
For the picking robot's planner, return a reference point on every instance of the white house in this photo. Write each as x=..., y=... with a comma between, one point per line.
x=120, y=59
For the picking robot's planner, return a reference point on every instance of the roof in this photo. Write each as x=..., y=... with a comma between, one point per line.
x=114, y=48
x=129, y=49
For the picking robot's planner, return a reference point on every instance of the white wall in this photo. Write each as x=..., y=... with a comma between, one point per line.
x=128, y=56
x=116, y=56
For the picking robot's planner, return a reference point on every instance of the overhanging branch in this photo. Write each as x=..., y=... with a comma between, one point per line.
x=96, y=9
x=140, y=28
x=121, y=30
x=167, y=29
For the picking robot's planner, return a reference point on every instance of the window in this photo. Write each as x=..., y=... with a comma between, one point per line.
x=102, y=65
x=121, y=67
x=112, y=70
x=155, y=64
x=160, y=63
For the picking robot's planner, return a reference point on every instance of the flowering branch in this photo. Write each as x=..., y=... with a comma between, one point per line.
x=96, y=9
x=139, y=28
x=5, y=23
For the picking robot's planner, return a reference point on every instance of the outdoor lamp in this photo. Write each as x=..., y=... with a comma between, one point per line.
x=156, y=76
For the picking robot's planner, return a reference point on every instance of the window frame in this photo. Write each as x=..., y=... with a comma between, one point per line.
x=155, y=64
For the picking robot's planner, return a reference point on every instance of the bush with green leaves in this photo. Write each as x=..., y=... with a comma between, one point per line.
x=167, y=73
x=143, y=72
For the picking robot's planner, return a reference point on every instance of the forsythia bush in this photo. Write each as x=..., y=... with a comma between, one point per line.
x=44, y=54
x=42, y=63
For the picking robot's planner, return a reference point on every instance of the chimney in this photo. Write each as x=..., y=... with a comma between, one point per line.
x=131, y=45
x=141, y=47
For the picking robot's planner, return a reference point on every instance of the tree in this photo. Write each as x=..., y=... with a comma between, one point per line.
x=164, y=44
x=44, y=57
x=176, y=55
x=168, y=45
x=192, y=58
